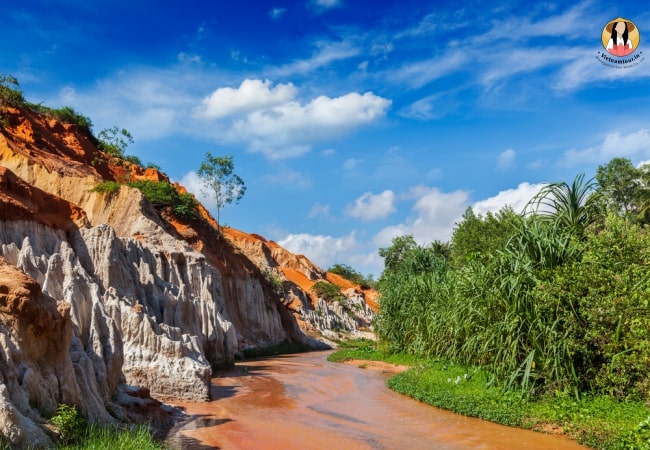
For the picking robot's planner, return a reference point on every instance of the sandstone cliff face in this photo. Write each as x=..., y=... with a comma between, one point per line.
x=99, y=292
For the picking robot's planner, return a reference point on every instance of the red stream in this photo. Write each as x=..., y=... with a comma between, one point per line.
x=305, y=402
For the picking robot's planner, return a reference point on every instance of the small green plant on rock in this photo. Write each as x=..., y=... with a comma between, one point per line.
x=70, y=424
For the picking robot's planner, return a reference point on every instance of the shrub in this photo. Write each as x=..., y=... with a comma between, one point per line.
x=161, y=194
x=327, y=291
x=68, y=115
x=107, y=187
x=70, y=424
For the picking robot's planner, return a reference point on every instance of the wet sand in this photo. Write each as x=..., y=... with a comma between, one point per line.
x=305, y=402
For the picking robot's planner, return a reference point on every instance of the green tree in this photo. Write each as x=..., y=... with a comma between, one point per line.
x=10, y=94
x=218, y=179
x=476, y=237
x=625, y=189
x=394, y=254
x=114, y=140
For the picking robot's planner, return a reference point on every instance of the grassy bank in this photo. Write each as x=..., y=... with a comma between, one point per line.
x=599, y=422
x=109, y=438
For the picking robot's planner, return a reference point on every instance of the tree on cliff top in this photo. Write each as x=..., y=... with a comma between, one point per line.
x=217, y=177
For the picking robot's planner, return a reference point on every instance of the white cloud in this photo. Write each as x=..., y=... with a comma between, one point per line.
x=436, y=213
x=276, y=13
x=325, y=54
x=642, y=163
x=635, y=146
x=517, y=198
x=251, y=95
x=289, y=129
x=506, y=159
x=323, y=250
x=371, y=207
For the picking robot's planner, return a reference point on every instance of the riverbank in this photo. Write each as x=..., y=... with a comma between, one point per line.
x=599, y=422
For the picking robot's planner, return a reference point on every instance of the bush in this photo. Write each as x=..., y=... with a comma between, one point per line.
x=352, y=275
x=68, y=115
x=162, y=194
x=70, y=424
x=327, y=291
x=107, y=187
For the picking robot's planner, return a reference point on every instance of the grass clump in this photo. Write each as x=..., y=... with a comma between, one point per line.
x=365, y=349
x=111, y=438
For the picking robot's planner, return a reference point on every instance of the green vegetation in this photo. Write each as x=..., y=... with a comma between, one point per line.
x=562, y=306
x=111, y=438
x=327, y=291
x=75, y=433
x=218, y=179
x=352, y=275
x=160, y=194
x=70, y=424
x=532, y=319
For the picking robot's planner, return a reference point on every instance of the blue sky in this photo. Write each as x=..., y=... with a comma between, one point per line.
x=350, y=122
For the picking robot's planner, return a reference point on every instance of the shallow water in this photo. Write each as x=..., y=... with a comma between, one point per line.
x=305, y=402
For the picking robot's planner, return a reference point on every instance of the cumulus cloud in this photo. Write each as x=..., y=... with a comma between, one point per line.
x=251, y=95
x=517, y=198
x=634, y=146
x=289, y=129
x=323, y=250
x=506, y=159
x=371, y=207
x=435, y=213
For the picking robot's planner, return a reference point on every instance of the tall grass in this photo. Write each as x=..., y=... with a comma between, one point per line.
x=554, y=309
x=110, y=438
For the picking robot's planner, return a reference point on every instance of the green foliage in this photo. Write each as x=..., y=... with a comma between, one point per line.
x=327, y=291
x=111, y=438
x=478, y=237
x=275, y=281
x=563, y=305
x=161, y=194
x=10, y=94
x=70, y=424
x=602, y=304
x=216, y=175
x=107, y=187
x=67, y=114
x=114, y=140
x=572, y=206
x=352, y=275
x=625, y=189
x=393, y=255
